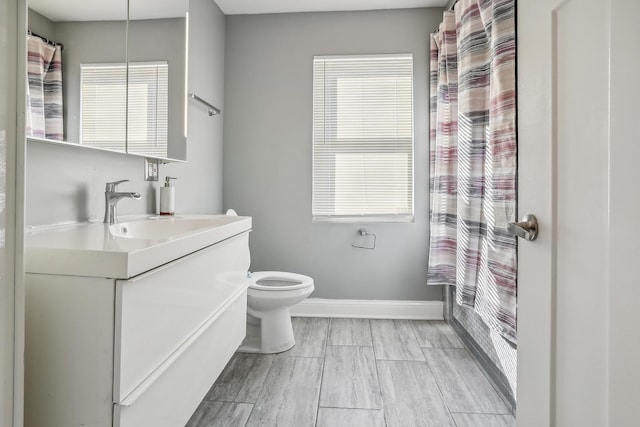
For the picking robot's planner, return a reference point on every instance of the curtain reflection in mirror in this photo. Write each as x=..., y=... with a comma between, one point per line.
x=44, y=115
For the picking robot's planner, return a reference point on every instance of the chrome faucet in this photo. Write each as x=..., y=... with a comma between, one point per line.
x=111, y=199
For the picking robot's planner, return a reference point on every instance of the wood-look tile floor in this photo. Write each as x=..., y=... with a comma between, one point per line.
x=357, y=373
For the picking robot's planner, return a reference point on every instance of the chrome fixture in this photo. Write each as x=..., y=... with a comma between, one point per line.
x=363, y=233
x=111, y=199
x=526, y=229
x=212, y=110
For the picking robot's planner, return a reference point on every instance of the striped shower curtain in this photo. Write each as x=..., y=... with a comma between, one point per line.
x=473, y=159
x=44, y=90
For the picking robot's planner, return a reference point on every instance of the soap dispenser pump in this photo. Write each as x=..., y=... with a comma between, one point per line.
x=167, y=197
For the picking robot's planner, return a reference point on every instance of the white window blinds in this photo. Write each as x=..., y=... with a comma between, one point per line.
x=103, y=106
x=363, y=138
x=104, y=111
x=148, y=108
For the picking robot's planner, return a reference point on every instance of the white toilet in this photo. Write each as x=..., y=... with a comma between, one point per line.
x=269, y=297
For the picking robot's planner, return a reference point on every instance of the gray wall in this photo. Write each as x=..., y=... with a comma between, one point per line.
x=86, y=43
x=267, y=154
x=67, y=183
x=164, y=40
x=41, y=25
x=199, y=184
x=105, y=41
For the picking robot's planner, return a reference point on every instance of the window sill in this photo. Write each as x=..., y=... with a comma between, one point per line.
x=365, y=219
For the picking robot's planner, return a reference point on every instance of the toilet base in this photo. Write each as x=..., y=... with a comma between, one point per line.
x=269, y=332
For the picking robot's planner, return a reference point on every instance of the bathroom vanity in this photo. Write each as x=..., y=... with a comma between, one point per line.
x=131, y=324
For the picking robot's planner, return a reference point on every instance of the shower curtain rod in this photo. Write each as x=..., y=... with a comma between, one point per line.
x=46, y=40
x=448, y=7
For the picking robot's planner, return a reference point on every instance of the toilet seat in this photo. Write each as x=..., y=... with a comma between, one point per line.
x=278, y=281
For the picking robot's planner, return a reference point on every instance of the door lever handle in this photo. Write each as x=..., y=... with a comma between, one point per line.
x=526, y=229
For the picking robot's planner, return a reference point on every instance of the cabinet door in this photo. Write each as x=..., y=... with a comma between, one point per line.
x=157, y=312
x=173, y=396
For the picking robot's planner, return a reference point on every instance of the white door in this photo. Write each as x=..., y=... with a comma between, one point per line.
x=11, y=156
x=579, y=172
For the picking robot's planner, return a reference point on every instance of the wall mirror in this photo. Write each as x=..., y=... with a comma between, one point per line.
x=109, y=75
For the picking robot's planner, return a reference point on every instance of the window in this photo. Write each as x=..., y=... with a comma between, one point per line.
x=363, y=138
x=147, y=131
x=103, y=107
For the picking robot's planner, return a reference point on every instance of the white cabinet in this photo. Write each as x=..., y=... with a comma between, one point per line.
x=141, y=351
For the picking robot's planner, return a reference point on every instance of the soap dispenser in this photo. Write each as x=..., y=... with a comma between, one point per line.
x=167, y=197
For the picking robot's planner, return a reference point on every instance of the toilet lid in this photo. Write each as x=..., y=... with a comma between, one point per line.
x=277, y=281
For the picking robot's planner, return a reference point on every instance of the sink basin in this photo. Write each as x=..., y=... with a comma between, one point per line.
x=124, y=250
x=165, y=228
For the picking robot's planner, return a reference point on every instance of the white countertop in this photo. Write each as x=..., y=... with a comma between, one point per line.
x=92, y=249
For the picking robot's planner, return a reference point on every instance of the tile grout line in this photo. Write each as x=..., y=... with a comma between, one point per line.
x=488, y=378
x=348, y=345
x=482, y=413
x=376, y=375
x=449, y=343
x=444, y=401
x=435, y=379
x=259, y=392
x=397, y=334
x=348, y=408
x=415, y=337
x=466, y=344
x=232, y=403
x=405, y=346
x=302, y=357
x=324, y=361
x=498, y=394
x=494, y=386
x=453, y=420
x=375, y=360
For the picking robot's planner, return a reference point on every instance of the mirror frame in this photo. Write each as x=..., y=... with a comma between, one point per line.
x=182, y=103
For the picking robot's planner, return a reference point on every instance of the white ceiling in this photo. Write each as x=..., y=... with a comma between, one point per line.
x=113, y=10
x=108, y=10
x=242, y=7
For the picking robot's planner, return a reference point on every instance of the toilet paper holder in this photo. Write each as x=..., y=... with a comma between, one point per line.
x=362, y=232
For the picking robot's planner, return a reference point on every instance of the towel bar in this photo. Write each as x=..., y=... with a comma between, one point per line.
x=212, y=110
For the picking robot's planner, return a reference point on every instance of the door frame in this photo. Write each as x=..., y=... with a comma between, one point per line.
x=13, y=291
x=624, y=208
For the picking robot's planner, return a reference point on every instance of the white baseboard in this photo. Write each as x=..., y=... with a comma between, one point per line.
x=370, y=309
